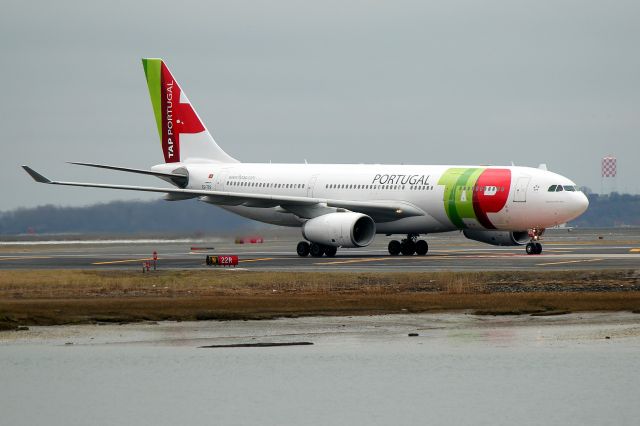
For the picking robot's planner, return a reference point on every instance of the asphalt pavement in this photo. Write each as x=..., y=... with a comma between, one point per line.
x=563, y=250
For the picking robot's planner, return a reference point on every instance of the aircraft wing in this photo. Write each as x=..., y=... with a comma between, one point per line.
x=177, y=178
x=305, y=207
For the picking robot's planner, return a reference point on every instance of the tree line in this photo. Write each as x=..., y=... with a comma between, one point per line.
x=124, y=217
x=121, y=217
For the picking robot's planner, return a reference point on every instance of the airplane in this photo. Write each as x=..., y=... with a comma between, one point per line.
x=346, y=205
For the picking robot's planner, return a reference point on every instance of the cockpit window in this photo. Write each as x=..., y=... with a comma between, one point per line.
x=558, y=188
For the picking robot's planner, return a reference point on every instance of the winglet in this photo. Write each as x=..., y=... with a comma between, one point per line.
x=35, y=175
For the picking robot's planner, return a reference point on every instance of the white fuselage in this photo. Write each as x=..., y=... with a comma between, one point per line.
x=452, y=197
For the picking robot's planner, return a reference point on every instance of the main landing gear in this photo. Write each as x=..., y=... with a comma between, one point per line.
x=408, y=246
x=534, y=246
x=315, y=250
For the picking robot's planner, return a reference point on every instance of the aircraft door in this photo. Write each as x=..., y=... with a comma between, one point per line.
x=311, y=184
x=520, y=194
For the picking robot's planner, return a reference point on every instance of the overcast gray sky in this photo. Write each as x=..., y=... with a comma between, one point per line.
x=422, y=82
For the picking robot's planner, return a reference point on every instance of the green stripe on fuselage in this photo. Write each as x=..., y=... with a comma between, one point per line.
x=152, y=69
x=458, y=194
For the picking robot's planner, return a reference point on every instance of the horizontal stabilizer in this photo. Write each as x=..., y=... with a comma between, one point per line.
x=179, y=179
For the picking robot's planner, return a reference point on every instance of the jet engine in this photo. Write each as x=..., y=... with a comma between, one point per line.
x=498, y=238
x=340, y=229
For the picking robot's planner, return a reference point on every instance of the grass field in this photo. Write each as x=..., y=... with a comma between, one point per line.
x=70, y=296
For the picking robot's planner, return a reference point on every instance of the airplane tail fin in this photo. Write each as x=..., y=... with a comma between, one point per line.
x=182, y=134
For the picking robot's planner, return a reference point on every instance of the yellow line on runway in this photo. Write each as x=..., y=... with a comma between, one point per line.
x=256, y=260
x=569, y=261
x=590, y=242
x=25, y=257
x=122, y=261
x=635, y=250
x=370, y=259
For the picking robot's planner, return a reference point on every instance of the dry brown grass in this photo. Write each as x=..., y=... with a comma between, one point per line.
x=69, y=296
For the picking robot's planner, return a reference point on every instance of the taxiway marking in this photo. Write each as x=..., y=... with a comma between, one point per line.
x=256, y=260
x=419, y=258
x=370, y=259
x=123, y=261
x=569, y=261
x=25, y=258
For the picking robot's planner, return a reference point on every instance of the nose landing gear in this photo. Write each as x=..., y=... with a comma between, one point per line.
x=534, y=247
x=408, y=246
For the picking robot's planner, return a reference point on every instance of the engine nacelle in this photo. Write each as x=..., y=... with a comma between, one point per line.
x=340, y=229
x=498, y=238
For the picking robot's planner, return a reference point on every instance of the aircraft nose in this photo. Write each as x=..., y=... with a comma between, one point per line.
x=581, y=203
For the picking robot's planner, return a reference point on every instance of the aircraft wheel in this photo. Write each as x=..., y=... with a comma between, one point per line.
x=316, y=250
x=531, y=248
x=394, y=247
x=538, y=248
x=408, y=247
x=303, y=249
x=421, y=247
x=330, y=251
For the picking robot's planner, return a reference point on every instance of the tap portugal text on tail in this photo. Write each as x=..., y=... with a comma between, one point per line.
x=346, y=205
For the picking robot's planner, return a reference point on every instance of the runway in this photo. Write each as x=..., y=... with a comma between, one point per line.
x=563, y=250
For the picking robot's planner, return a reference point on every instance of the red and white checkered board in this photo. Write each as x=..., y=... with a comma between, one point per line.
x=609, y=167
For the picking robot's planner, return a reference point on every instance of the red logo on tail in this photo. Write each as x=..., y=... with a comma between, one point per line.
x=177, y=117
